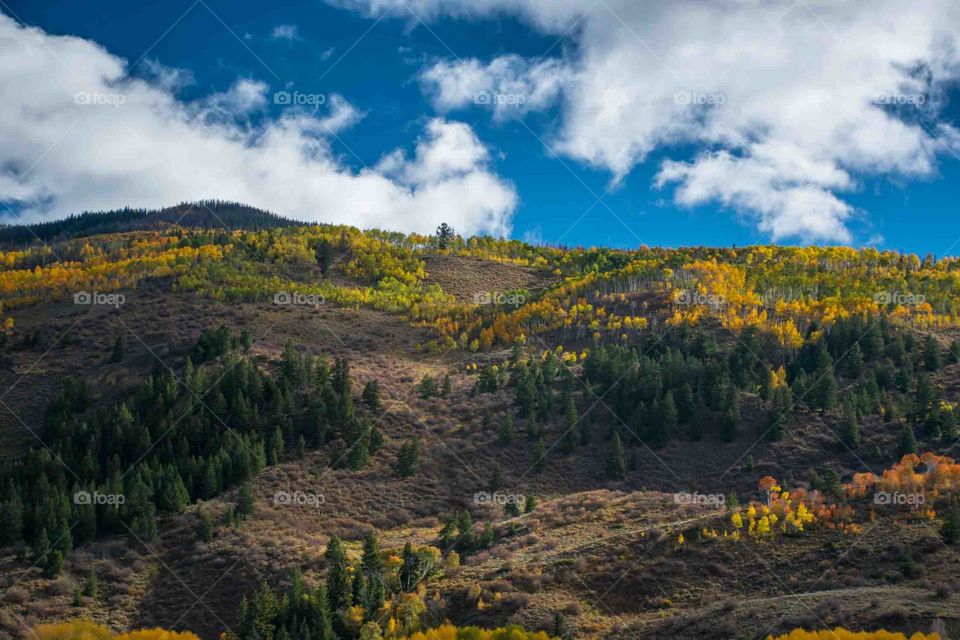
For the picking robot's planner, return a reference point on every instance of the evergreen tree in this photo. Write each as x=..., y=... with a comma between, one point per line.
x=408, y=460
x=496, y=478
x=849, y=428
x=246, y=504
x=538, y=455
x=487, y=538
x=118, y=351
x=932, y=358
x=206, y=528
x=427, y=387
x=409, y=571
x=529, y=503
x=372, y=566
x=323, y=253
x=371, y=396
x=505, y=432
x=730, y=423
x=853, y=362
x=339, y=589
x=53, y=567
x=908, y=441
x=173, y=495
x=465, y=531
x=445, y=235
x=90, y=588
x=950, y=530
x=616, y=463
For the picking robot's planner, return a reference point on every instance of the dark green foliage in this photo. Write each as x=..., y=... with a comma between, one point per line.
x=371, y=396
x=950, y=530
x=908, y=441
x=932, y=356
x=372, y=567
x=205, y=531
x=246, y=504
x=427, y=387
x=118, y=350
x=339, y=587
x=849, y=427
x=408, y=460
x=445, y=234
x=90, y=588
x=323, y=254
x=505, y=432
x=207, y=432
x=301, y=613
x=616, y=462
x=530, y=503
x=538, y=455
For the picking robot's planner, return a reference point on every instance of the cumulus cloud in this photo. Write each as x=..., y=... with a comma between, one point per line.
x=510, y=85
x=89, y=136
x=288, y=32
x=790, y=104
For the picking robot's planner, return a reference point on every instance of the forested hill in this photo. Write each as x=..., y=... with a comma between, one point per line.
x=204, y=214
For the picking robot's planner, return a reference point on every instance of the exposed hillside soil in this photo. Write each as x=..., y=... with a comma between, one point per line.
x=466, y=277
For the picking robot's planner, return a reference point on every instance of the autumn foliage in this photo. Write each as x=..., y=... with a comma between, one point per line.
x=842, y=634
x=87, y=630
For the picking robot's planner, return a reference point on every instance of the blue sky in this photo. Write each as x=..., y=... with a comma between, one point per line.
x=549, y=165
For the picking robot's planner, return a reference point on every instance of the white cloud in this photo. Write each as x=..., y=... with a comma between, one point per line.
x=88, y=136
x=791, y=104
x=510, y=85
x=288, y=32
x=244, y=97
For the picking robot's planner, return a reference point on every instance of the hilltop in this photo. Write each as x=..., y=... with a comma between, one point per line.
x=567, y=438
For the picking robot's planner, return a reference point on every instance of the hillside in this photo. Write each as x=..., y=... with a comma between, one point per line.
x=211, y=214
x=566, y=439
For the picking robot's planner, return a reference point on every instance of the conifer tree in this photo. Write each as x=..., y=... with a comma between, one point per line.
x=408, y=460
x=616, y=463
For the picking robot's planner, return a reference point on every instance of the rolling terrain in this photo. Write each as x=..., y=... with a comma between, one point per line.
x=577, y=350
